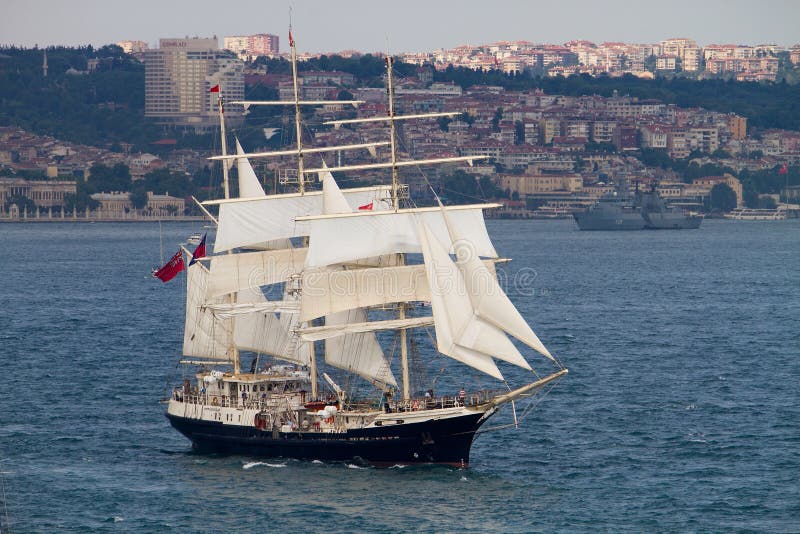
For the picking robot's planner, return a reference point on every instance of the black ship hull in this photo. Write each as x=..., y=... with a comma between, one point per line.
x=443, y=441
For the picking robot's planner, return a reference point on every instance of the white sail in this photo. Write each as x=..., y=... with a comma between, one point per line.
x=248, y=222
x=327, y=291
x=267, y=333
x=357, y=353
x=234, y=272
x=204, y=336
x=248, y=181
x=488, y=299
x=341, y=238
x=333, y=200
x=460, y=334
x=318, y=333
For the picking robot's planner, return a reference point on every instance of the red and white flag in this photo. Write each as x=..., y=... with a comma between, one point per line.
x=291, y=39
x=366, y=207
x=171, y=269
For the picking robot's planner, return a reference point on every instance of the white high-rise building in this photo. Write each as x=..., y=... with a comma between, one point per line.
x=178, y=77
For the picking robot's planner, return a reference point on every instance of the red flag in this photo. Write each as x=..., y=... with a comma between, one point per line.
x=199, y=252
x=171, y=269
x=214, y=89
x=366, y=207
x=291, y=39
x=784, y=169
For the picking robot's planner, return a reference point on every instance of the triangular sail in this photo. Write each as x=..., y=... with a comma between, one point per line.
x=358, y=353
x=333, y=201
x=450, y=293
x=249, y=186
x=488, y=299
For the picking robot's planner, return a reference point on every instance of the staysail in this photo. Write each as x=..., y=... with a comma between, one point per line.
x=489, y=301
x=460, y=333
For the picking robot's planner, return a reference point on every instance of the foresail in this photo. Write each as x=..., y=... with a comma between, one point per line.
x=358, y=353
x=249, y=186
x=251, y=222
x=235, y=272
x=204, y=336
x=342, y=238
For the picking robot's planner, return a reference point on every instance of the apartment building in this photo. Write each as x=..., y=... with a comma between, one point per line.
x=178, y=77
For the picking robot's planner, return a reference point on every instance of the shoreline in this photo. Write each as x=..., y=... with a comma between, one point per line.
x=196, y=218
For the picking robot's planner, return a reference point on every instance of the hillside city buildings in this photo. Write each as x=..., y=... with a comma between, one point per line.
x=744, y=62
x=248, y=47
x=548, y=152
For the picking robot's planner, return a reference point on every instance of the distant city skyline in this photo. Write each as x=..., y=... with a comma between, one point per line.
x=410, y=26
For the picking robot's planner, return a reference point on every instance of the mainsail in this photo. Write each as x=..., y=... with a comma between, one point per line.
x=358, y=353
x=351, y=236
x=204, y=335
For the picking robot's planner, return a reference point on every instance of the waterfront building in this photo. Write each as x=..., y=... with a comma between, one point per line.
x=44, y=193
x=178, y=77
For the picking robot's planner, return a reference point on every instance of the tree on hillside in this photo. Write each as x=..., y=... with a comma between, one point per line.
x=108, y=179
x=722, y=198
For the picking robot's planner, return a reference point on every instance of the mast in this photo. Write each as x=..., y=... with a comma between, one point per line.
x=301, y=186
x=401, y=307
x=234, y=352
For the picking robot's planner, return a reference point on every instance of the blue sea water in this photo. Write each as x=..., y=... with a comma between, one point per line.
x=680, y=411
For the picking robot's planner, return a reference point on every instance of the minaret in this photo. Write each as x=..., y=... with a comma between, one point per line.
x=44, y=65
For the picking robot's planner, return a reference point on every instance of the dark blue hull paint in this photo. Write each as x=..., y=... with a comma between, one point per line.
x=442, y=442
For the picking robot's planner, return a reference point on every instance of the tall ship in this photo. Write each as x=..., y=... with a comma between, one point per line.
x=645, y=210
x=358, y=280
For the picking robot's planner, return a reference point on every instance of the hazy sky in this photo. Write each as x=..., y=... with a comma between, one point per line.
x=401, y=26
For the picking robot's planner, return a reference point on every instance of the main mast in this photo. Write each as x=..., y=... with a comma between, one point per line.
x=232, y=349
x=301, y=185
x=401, y=307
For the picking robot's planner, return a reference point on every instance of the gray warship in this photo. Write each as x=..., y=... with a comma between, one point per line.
x=642, y=211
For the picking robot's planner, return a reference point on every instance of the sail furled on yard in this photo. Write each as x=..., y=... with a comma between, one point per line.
x=204, y=335
x=460, y=333
x=358, y=353
x=489, y=302
x=234, y=272
x=347, y=237
x=318, y=333
x=249, y=185
x=246, y=222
